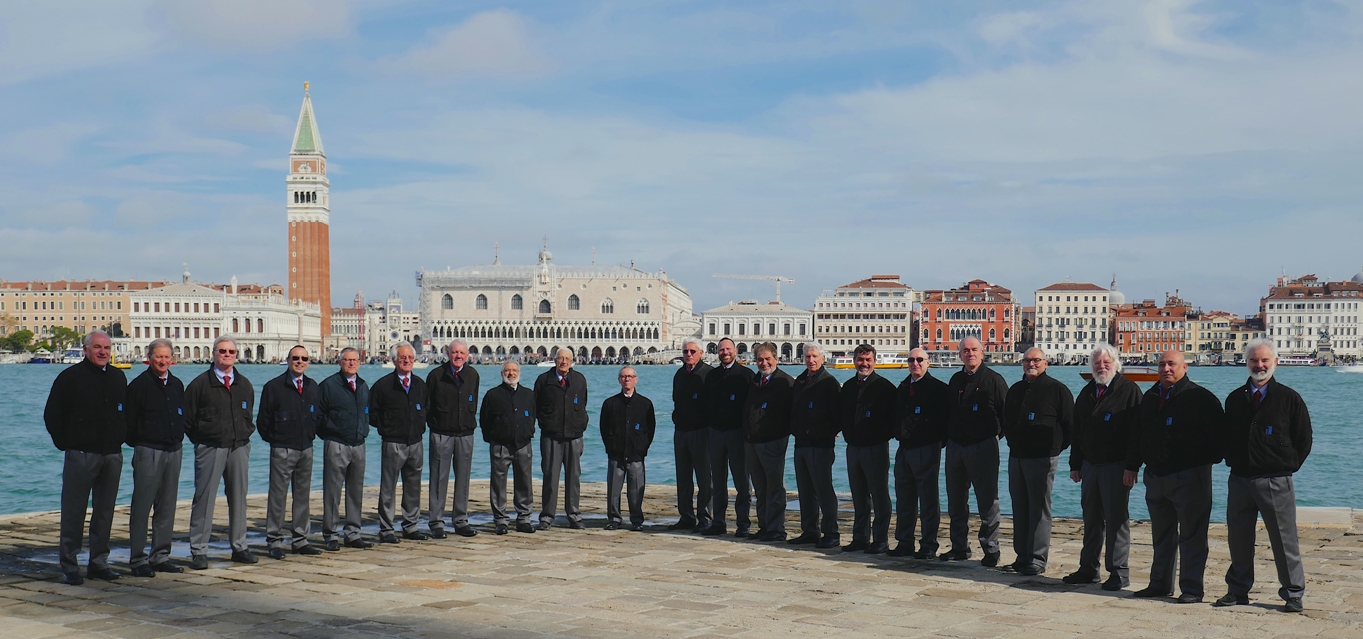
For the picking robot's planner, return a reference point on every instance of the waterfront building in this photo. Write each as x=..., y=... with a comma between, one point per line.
x=601, y=312
x=877, y=311
x=1241, y=332
x=1071, y=320
x=348, y=328
x=1026, y=328
x=1298, y=313
x=975, y=309
x=81, y=306
x=387, y=325
x=1209, y=335
x=308, y=198
x=749, y=324
x=1145, y=329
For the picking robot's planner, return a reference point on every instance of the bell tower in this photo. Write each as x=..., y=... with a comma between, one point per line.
x=309, y=206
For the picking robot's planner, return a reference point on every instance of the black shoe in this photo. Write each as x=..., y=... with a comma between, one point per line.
x=525, y=527
x=1079, y=577
x=501, y=529
x=1150, y=592
x=166, y=566
x=1029, y=570
x=199, y=562
x=713, y=531
x=1231, y=600
x=276, y=553
x=877, y=548
x=1189, y=599
x=612, y=526
x=143, y=571
x=1115, y=582
x=955, y=554
x=389, y=538
x=73, y=578
x=465, y=531
x=1293, y=605
x=991, y=559
x=700, y=529
x=333, y=545
x=925, y=555
x=804, y=539
x=244, y=557
x=741, y=533
x=307, y=550
x=438, y=533
x=576, y=525
x=772, y=535
x=855, y=546
x=636, y=528
x=103, y=574
x=682, y=525
x=544, y=525
x=830, y=541
x=364, y=544
x=416, y=535
x=901, y=550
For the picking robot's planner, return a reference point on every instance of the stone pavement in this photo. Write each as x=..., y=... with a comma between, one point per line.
x=606, y=584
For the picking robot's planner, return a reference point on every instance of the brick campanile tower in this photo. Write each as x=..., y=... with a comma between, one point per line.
x=309, y=205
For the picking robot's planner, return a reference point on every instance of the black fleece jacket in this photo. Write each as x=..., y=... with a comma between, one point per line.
x=922, y=408
x=867, y=409
x=156, y=412
x=216, y=416
x=977, y=403
x=766, y=410
x=1038, y=417
x=627, y=426
x=814, y=413
x=1103, y=426
x=1271, y=441
x=1178, y=433
x=85, y=409
x=688, y=397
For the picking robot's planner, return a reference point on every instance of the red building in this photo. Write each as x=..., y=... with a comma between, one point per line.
x=309, y=207
x=979, y=309
x=1143, y=330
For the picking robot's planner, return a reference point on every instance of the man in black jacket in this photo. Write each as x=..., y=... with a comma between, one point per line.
x=766, y=425
x=218, y=408
x=726, y=390
x=690, y=440
x=508, y=423
x=1266, y=436
x=288, y=422
x=397, y=409
x=627, y=427
x=921, y=410
x=452, y=418
x=561, y=410
x=814, y=421
x=344, y=404
x=867, y=416
x=977, y=395
x=84, y=416
x=1105, y=414
x=1038, y=417
x=1175, y=441
x=156, y=432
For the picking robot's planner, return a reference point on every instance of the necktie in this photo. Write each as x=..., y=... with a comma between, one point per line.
x=352, y=385
x=227, y=381
x=1164, y=394
x=406, y=383
x=458, y=380
x=1102, y=388
x=911, y=389
x=165, y=381
x=300, y=385
x=563, y=382
x=764, y=382
x=1256, y=399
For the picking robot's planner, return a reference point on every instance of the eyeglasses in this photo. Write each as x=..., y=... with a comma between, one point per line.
x=225, y=351
x=351, y=360
x=690, y=350
x=298, y=358
x=1033, y=360
x=629, y=376
x=918, y=360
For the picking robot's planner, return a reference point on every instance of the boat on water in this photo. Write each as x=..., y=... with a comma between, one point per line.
x=548, y=363
x=1133, y=373
x=882, y=361
x=1351, y=368
x=1296, y=361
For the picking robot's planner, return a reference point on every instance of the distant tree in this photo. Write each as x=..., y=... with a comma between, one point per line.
x=62, y=337
x=18, y=340
x=7, y=323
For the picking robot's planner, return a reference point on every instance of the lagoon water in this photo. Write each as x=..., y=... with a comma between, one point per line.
x=30, y=473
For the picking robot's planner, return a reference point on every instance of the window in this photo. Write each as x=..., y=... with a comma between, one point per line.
x=481, y=302
x=260, y=326
x=642, y=308
x=545, y=307
x=712, y=328
x=447, y=302
x=574, y=304
x=517, y=303
x=608, y=306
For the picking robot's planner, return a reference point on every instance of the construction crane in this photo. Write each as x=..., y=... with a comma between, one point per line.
x=777, y=278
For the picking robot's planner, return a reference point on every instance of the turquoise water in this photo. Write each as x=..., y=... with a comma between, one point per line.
x=30, y=475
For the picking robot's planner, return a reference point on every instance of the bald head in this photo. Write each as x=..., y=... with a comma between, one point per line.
x=1172, y=367
x=972, y=354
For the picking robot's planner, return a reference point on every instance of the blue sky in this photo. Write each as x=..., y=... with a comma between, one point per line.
x=1199, y=146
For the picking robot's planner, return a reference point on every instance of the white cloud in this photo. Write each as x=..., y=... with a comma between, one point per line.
x=492, y=44
x=253, y=25
x=47, y=145
x=256, y=118
x=38, y=39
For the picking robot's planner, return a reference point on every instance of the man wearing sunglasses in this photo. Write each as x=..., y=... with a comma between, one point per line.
x=690, y=440
x=218, y=409
x=288, y=422
x=921, y=410
x=1038, y=420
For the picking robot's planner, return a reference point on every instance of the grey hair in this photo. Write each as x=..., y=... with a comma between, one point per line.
x=561, y=351
x=1258, y=342
x=406, y=345
x=458, y=342
x=765, y=346
x=967, y=338
x=692, y=340
x=1111, y=352
x=815, y=346
x=510, y=362
x=158, y=343
x=349, y=349
x=85, y=343
x=224, y=338
x=1039, y=350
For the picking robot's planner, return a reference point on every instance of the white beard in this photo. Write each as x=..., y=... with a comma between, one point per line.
x=1260, y=378
x=1104, y=378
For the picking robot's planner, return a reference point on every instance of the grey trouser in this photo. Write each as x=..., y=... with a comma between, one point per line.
x=630, y=476
x=693, y=459
x=156, y=484
x=1104, y=498
x=449, y=453
x=1180, y=507
x=727, y=456
x=1030, y=481
x=231, y=467
x=1276, y=499
x=814, y=483
x=567, y=455
x=915, y=488
x=290, y=471
x=504, y=457
x=400, y=460
x=767, y=466
x=88, y=478
x=974, y=466
x=868, y=475
x=342, y=470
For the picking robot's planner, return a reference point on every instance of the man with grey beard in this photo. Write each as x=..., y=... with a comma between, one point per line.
x=1104, y=414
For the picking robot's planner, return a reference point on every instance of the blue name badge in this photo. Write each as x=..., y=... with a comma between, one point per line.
x=470, y=398
x=1107, y=417
x=527, y=413
x=180, y=410
x=574, y=400
x=1268, y=431
x=312, y=409
x=731, y=398
x=1169, y=422
x=975, y=408
x=120, y=408
x=917, y=410
x=868, y=413
x=418, y=406
x=243, y=405
x=638, y=427
x=366, y=410
x=695, y=396
x=1031, y=417
x=811, y=404
x=764, y=404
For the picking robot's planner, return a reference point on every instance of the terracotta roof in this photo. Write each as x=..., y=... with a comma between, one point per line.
x=876, y=281
x=1073, y=286
x=83, y=285
x=1326, y=289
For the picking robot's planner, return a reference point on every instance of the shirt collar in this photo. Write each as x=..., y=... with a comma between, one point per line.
x=219, y=372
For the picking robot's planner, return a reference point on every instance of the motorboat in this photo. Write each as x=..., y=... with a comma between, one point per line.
x=1133, y=373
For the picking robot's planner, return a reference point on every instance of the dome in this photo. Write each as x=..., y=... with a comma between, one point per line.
x=1114, y=296
x=1358, y=278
